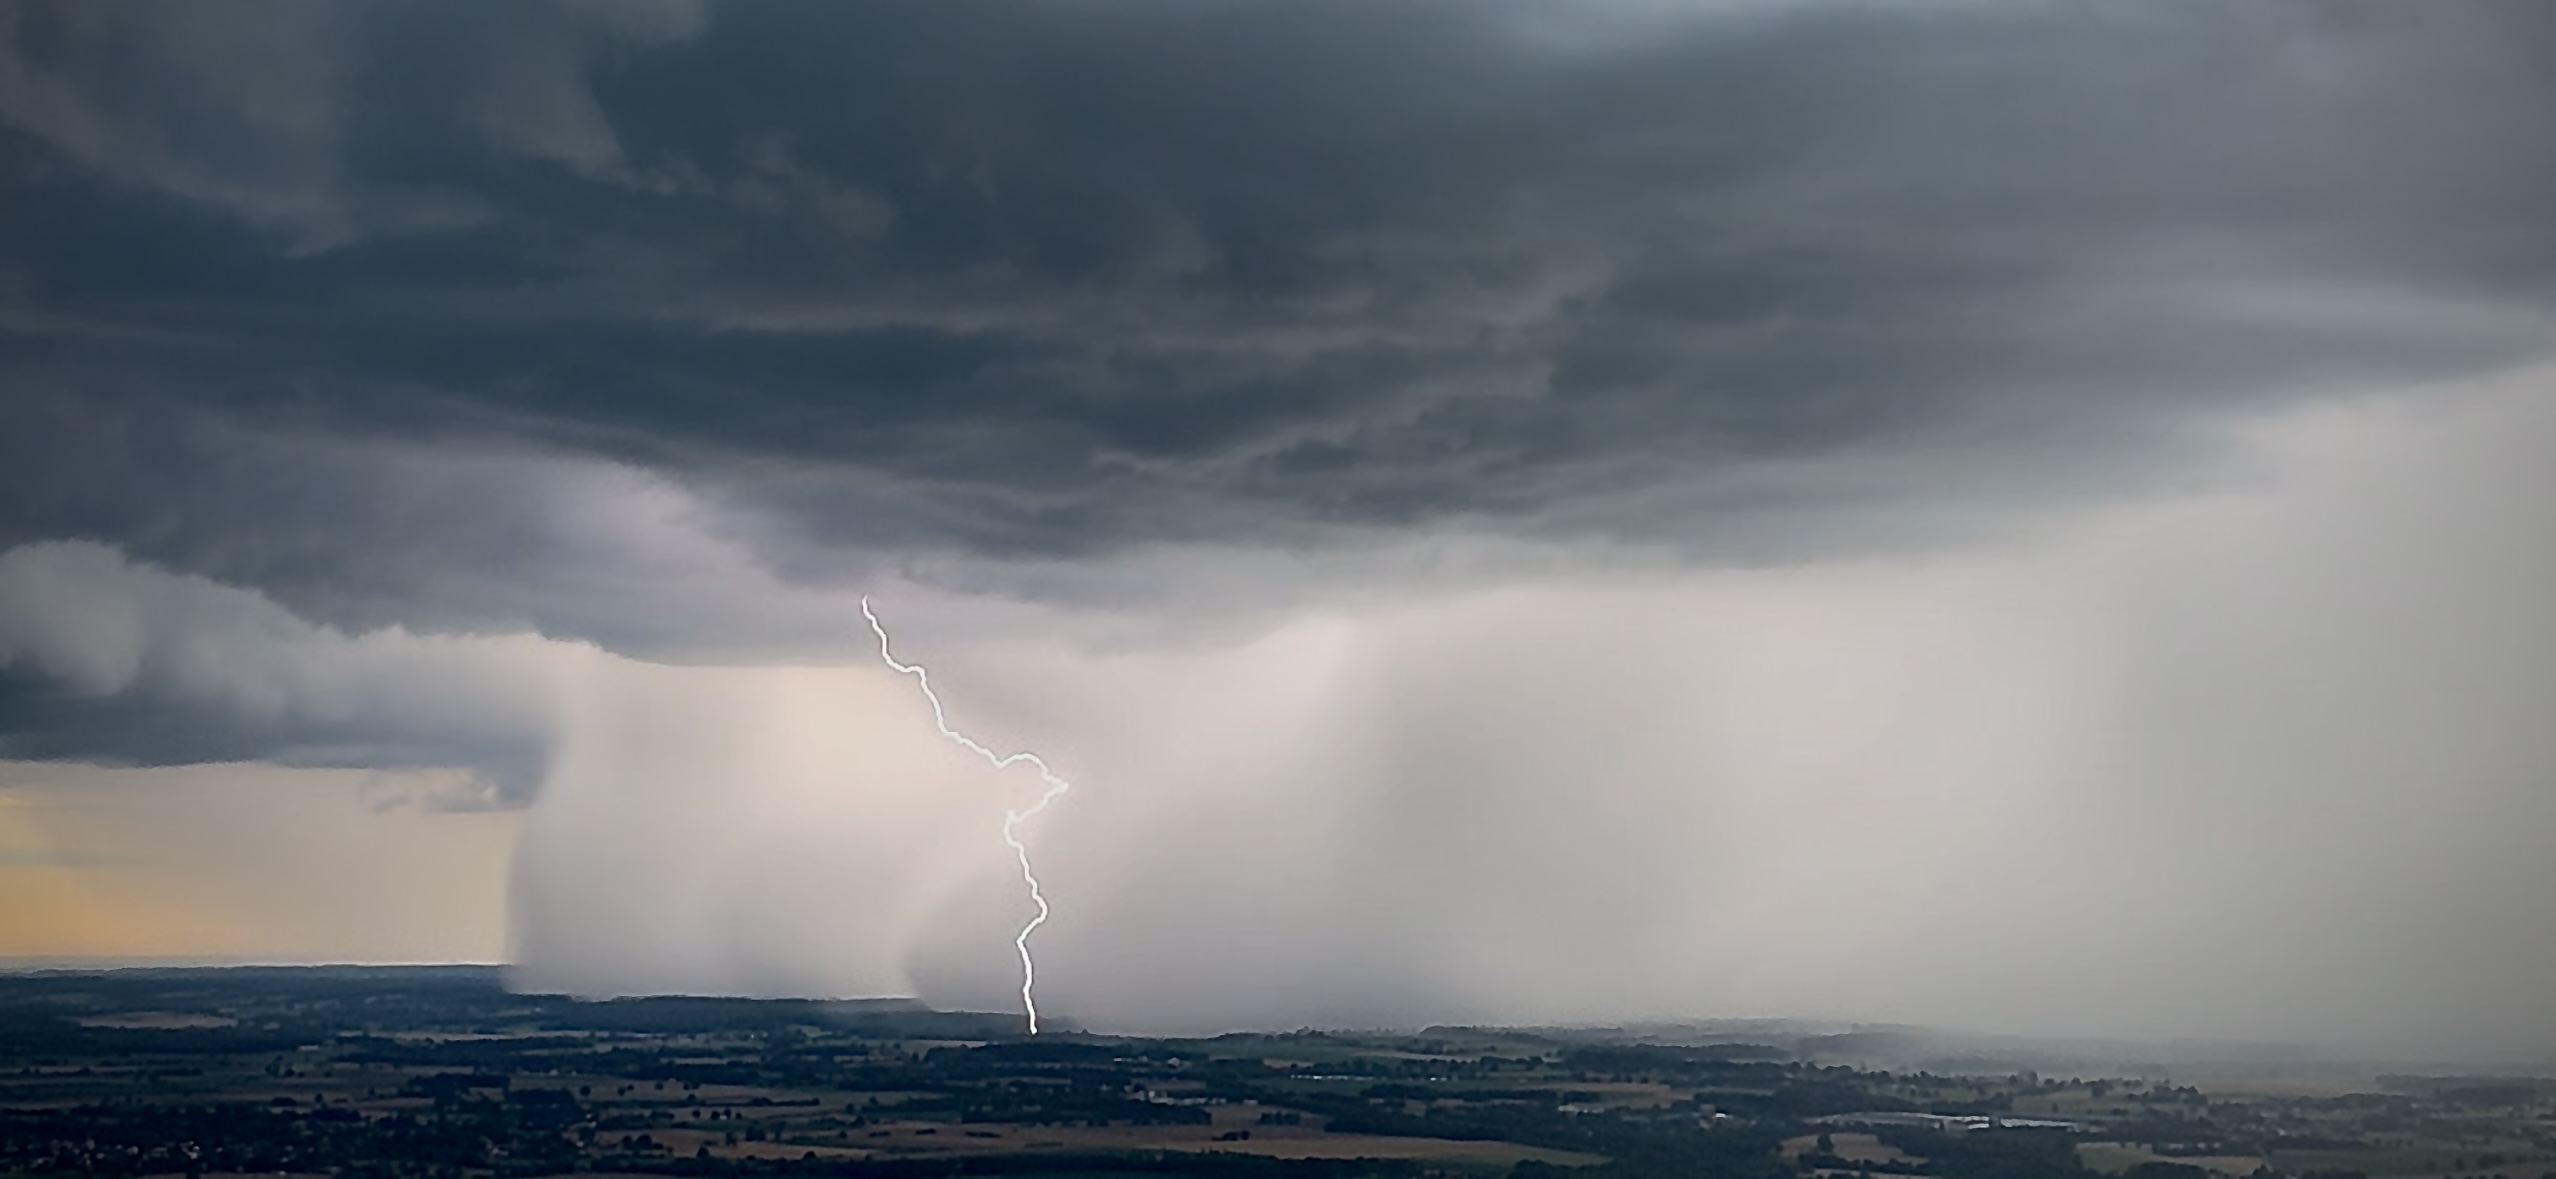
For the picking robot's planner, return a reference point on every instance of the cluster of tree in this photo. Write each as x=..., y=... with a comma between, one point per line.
x=1990, y=1154
x=526, y=1135
x=1135, y=1165
x=48, y=1039
x=1637, y=1143
x=1051, y=1105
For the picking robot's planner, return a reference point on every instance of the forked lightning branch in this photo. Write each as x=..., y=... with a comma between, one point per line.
x=1012, y=819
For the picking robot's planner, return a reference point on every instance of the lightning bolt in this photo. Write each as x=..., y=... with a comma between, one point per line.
x=1012, y=819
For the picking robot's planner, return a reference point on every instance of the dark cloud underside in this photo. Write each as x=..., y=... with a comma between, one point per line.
x=1054, y=280
x=47, y=723
x=1334, y=430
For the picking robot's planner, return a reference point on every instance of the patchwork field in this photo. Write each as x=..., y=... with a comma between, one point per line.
x=441, y=1074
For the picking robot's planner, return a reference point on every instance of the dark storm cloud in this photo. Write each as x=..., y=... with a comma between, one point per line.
x=1054, y=280
x=47, y=723
x=1473, y=449
x=105, y=660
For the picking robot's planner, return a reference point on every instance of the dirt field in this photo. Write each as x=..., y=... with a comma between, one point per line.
x=2112, y=1158
x=914, y=1139
x=156, y=1020
x=1364, y=1146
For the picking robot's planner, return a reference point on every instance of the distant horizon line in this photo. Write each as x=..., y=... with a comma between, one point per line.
x=1954, y=1040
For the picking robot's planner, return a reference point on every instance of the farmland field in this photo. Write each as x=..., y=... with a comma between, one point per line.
x=442, y=1074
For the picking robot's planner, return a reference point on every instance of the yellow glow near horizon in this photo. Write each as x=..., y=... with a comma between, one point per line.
x=246, y=862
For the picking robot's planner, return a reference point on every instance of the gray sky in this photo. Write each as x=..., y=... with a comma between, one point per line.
x=2029, y=517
